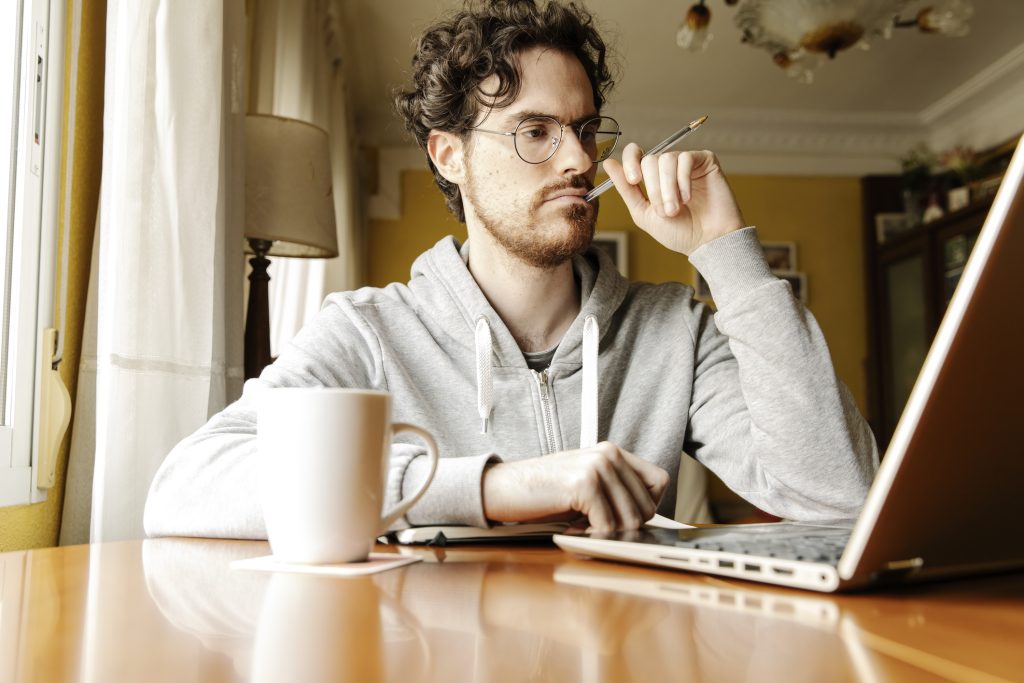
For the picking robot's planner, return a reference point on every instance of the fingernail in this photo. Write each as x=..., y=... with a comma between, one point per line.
x=670, y=207
x=685, y=196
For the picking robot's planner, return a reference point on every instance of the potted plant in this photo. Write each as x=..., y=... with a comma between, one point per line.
x=917, y=166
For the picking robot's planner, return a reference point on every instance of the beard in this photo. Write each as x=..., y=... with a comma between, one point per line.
x=538, y=242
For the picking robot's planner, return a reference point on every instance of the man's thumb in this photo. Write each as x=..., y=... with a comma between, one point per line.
x=631, y=194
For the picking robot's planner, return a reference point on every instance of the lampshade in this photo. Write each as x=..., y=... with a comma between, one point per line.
x=288, y=197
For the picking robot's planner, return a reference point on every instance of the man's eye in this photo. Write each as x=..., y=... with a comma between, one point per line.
x=535, y=133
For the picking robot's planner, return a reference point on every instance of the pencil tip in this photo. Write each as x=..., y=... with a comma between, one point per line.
x=699, y=121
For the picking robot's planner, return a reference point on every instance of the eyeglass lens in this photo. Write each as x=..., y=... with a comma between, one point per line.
x=537, y=138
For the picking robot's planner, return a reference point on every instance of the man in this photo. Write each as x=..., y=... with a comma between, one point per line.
x=521, y=350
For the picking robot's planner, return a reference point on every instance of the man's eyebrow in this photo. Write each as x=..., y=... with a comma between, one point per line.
x=515, y=117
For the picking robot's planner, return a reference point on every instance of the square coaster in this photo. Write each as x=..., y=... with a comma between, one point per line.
x=377, y=562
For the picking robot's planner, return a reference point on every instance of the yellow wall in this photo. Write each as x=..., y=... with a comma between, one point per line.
x=393, y=245
x=821, y=214
x=823, y=217
x=38, y=526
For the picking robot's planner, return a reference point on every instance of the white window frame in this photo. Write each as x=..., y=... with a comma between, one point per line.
x=36, y=133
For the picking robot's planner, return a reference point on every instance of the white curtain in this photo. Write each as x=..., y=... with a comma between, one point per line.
x=163, y=346
x=298, y=71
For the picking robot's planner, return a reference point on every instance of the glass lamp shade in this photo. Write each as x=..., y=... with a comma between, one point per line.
x=288, y=187
x=796, y=27
x=693, y=34
x=949, y=18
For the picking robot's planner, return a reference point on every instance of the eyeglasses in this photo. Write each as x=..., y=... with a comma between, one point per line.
x=536, y=139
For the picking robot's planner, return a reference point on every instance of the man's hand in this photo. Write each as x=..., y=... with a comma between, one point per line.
x=613, y=488
x=688, y=200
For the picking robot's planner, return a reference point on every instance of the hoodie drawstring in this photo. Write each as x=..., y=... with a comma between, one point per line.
x=484, y=349
x=588, y=400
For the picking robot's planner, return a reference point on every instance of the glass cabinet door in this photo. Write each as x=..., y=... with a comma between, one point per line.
x=955, y=251
x=907, y=332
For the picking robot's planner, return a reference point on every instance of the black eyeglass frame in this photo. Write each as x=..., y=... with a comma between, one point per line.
x=561, y=135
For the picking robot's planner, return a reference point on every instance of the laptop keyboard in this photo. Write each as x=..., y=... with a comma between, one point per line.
x=825, y=547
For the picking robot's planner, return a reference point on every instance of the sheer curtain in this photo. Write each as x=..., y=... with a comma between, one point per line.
x=163, y=338
x=299, y=71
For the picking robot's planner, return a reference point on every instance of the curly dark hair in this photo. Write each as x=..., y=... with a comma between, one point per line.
x=454, y=56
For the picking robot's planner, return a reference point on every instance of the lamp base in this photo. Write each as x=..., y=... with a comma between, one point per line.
x=257, y=317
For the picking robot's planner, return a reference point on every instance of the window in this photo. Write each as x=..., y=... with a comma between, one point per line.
x=31, y=90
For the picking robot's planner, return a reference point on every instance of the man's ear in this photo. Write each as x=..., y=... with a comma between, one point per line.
x=447, y=151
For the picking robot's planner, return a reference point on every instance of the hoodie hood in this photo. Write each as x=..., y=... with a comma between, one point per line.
x=441, y=279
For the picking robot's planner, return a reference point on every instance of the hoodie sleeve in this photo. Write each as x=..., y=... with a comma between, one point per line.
x=455, y=495
x=768, y=414
x=208, y=484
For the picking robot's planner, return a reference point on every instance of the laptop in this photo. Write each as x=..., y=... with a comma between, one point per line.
x=948, y=499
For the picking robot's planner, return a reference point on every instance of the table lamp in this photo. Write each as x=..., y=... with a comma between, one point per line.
x=289, y=211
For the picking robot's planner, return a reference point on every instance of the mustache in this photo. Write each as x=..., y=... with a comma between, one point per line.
x=576, y=182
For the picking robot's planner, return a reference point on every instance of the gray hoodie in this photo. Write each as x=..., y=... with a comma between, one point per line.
x=749, y=391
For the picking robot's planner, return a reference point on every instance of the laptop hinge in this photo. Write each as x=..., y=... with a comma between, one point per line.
x=897, y=571
x=913, y=564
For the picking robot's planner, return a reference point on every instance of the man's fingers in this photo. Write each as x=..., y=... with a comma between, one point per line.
x=655, y=479
x=684, y=173
x=637, y=489
x=598, y=509
x=649, y=165
x=631, y=193
x=627, y=510
x=631, y=156
x=667, y=165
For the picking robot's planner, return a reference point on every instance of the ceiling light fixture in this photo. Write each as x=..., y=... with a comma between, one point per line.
x=799, y=34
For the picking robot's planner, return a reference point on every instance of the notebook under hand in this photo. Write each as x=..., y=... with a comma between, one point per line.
x=947, y=499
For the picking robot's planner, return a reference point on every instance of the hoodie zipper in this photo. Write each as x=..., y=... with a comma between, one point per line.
x=545, y=409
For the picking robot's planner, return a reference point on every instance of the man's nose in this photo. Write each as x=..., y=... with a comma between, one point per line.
x=571, y=156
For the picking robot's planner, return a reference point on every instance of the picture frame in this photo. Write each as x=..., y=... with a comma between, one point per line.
x=616, y=244
x=781, y=256
x=888, y=225
x=986, y=187
x=958, y=198
x=777, y=254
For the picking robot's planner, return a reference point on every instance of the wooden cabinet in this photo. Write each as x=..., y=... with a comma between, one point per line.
x=910, y=279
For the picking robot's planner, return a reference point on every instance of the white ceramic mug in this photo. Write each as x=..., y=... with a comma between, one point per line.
x=323, y=468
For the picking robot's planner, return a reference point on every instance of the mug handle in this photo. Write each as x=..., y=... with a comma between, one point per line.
x=403, y=505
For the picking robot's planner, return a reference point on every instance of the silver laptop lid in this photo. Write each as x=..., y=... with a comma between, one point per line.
x=948, y=497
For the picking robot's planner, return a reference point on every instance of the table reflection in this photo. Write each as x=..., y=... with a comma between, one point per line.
x=537, y=615
x=195, y=589
x=739, y=632
x=459, y=616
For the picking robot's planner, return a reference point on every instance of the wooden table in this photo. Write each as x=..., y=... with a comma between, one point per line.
x=172, y=610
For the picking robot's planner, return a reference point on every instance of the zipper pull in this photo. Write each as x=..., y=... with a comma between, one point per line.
x=542, y=380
